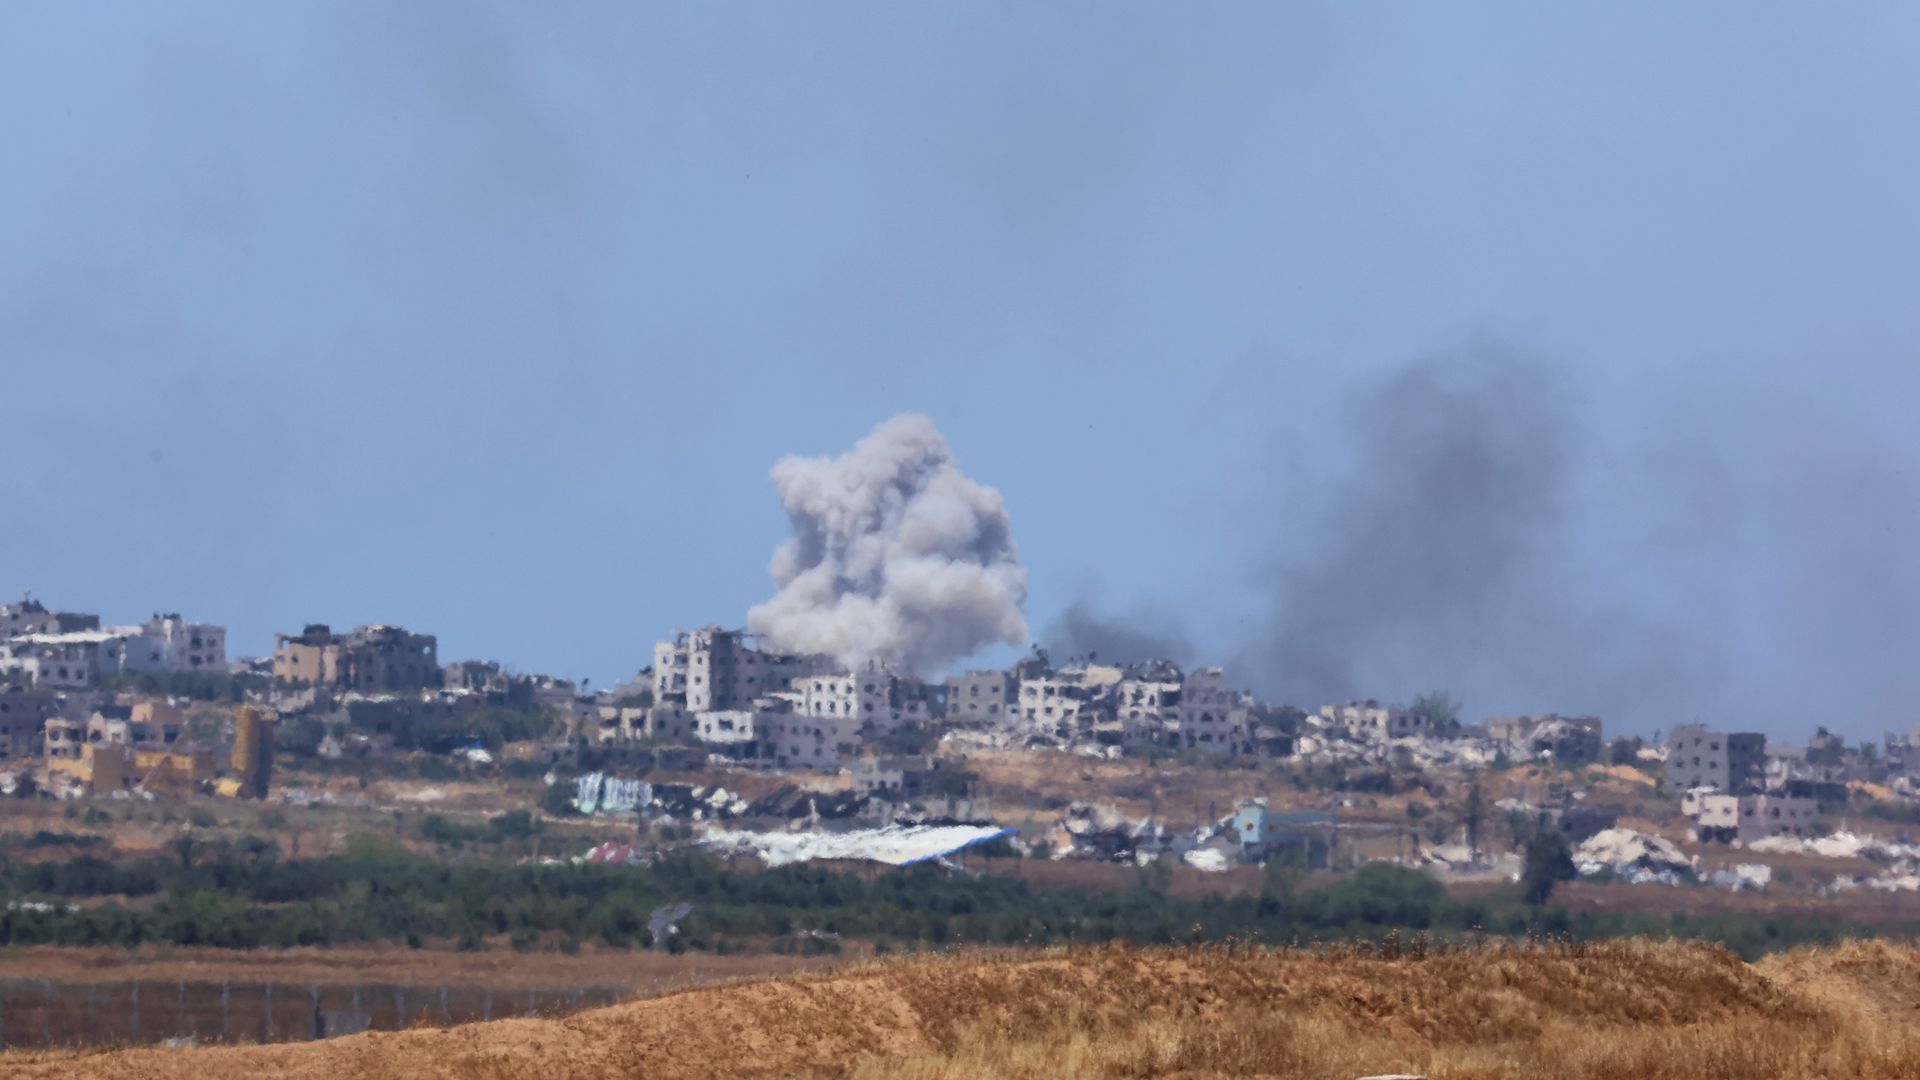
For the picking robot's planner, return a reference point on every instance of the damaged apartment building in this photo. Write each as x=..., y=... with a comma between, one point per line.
x=1726, y=794
x=69, y=651
x=1152, y=705
x=720, y=689
x=369, y=659
x=1569, y=740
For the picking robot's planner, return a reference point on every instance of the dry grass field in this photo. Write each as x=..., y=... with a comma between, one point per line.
x=1621, y=1009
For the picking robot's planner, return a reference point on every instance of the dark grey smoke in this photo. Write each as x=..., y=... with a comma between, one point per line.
x=1146, y=634
x=1436, y=557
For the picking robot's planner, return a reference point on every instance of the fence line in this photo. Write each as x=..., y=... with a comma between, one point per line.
x=41, y=1012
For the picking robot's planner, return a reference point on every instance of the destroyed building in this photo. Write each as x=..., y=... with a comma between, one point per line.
x=1721, y=818
x=1370, y=720
x=63, y=660
x=1565, y=739
x=368, y=659
x=712, y=668
x=30, y=616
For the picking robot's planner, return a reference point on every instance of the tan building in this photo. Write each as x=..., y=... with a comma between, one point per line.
x=369, y=659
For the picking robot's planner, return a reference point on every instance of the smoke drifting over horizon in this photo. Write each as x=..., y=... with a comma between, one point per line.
x=1459, y=528
x=896, y=555
x=1143, y=635
x=1424, y=547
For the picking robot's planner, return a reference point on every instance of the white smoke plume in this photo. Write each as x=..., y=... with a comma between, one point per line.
x=896, y=556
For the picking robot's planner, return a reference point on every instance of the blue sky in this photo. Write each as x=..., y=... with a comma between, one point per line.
x=491, y=319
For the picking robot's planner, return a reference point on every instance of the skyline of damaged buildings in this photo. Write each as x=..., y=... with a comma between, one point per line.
x=721, y=694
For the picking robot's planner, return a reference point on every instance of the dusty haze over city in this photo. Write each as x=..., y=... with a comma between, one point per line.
x=1551, y=360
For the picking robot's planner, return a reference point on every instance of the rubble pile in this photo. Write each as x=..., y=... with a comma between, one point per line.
x=1633, y=856
x=1840, y=845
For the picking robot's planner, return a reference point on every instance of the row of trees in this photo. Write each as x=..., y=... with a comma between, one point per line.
x=243, y=895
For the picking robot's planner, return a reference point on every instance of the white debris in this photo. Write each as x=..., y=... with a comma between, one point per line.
x=1212, y=860
x=1742, y=877
x=895, y=845
x=1635, y=856
x=1898, y=882
x=1840, y=845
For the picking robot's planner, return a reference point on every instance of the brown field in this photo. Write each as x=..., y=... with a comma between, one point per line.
x=1615, y=1010
x=641, y=972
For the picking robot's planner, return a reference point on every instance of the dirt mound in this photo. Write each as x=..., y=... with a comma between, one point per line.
x=1614, y=1009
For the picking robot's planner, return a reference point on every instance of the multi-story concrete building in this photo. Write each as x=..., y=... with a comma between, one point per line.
x=712, y=668
x=128, y=650
x=1721, y=818
x=1731, y=763
x=23, y=718
x=1052, y=705
x=188, y=646
x=788, y=737
x=1212, y=717
x=368, y=659
x=1146, y=703
x=982, y=698
x=60, y=661
x=878, y=701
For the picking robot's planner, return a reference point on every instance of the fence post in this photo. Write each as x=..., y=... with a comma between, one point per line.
x=135, y=995
x=226, y=1014
x=268, y=1009
x=180, y=1011
x=444, y=1016
x=313, y=1030
x=533, y=1002
x=400, y=1006
x=486, y=1011
x=46, y=1012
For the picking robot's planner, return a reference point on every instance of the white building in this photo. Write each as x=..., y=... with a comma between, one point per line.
x=188, y=646
x=69, y=661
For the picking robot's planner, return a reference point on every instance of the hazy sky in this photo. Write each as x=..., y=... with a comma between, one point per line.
x=491, y=319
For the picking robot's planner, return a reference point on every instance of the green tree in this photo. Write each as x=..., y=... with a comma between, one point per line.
x=1548, y=862
x=1442, y=713
x=1474, y=813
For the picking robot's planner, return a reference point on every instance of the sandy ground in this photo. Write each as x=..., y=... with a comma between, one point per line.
x=1613, y=1009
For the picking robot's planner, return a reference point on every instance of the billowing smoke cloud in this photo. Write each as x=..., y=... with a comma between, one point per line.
x=1145, y=634
x=1441, y=555
x=896, y=556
